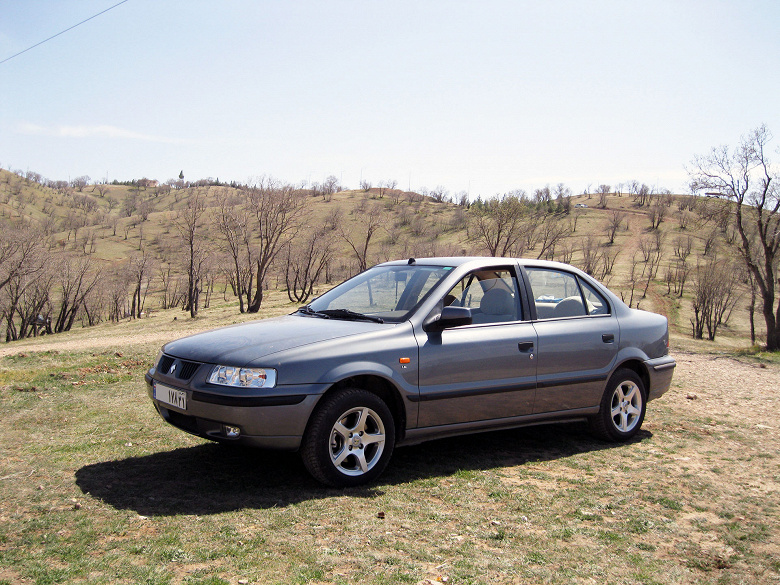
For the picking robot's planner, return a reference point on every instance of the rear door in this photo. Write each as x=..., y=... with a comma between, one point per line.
x=578, y=339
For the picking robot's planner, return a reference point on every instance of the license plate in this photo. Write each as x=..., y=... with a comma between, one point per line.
x=172, y=396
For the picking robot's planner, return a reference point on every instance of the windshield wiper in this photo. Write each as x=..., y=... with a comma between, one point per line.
x=338, y=314
x=347, y=314
x=307, y=310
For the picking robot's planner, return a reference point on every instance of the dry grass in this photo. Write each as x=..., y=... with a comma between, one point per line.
x=96, y=489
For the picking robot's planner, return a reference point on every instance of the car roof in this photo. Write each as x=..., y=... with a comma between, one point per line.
x=479, y=261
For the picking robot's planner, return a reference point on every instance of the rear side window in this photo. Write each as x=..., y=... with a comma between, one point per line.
x=595, y=302
x=558, y=294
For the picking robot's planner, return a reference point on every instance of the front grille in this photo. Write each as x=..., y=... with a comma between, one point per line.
x=165, y=364
x=187, y=370
x=184, y=370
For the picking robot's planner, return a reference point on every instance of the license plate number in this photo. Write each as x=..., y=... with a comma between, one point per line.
x=172, y=396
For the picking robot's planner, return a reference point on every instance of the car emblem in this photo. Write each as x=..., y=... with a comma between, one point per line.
x=172, y=370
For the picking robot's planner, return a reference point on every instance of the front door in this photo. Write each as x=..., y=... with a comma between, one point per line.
x=482, y=371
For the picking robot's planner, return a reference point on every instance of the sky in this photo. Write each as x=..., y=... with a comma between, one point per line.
x=485, y=96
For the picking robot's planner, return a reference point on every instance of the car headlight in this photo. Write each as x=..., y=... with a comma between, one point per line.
x=243, y=377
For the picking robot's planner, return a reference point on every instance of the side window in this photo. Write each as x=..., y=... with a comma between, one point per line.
x=597, y=304
x=492, y=296
x=556, y=294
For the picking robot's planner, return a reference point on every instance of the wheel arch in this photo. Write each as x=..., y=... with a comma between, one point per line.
x=639, y=368
x=384, y=389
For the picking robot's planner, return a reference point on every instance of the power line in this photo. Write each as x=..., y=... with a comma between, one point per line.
x=62, y=32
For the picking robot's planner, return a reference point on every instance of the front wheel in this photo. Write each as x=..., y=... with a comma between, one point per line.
x=622, y=407
x=350, y=438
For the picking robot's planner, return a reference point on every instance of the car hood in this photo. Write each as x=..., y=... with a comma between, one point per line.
x=238, y=345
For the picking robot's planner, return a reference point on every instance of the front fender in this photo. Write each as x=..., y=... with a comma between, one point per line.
x=368, y=368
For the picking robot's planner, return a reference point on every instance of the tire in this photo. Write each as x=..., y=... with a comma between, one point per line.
x=622, y=408
x=350, y=439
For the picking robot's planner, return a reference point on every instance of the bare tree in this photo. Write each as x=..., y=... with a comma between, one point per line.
x=641, y=194
x=334, y=218
x=145, y=207
x=563, y=198
x=590, y=255
x=603, y=192
x=232, y=220
x=657, y=214
x=543, y=195
x=80, y=182
x=275, y=211
x=615, y=221
x=607, y=259
x=551, y=230
x=190, y=224
x=715, y=292
x=646, y=247
x=130, y=203
x=746, y=177
x=395, y=194
x=650, y=270
x=496, y=224
x=389, y=186
x=306, y=262
x=360, y=239
x=172, y=290
x=676, y=276
x=141, y=269
x=682, y=247
x=683, y=219
x=78, y=277
x=566, y=251
x=439, y=194
x=632, y=280
x=21, y=253
x=22, y=297
x=35, y=305
x=710, y=242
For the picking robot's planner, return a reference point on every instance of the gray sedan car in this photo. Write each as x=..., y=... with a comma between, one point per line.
x=414, y=350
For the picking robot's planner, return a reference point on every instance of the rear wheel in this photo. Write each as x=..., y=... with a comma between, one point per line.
x=622, y=407
x=350, y=438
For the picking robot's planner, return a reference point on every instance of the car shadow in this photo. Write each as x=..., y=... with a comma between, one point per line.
x=211, y=478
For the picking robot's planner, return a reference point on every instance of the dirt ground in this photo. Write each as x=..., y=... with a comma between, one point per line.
x=730, y=389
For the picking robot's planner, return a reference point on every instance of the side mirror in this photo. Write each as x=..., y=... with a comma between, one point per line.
x=449, y=317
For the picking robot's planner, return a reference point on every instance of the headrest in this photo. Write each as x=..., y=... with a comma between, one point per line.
x=497, y=301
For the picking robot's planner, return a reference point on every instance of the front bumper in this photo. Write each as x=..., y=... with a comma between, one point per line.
x=272, y=419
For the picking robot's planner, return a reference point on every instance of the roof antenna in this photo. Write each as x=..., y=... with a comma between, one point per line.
x=411, y=261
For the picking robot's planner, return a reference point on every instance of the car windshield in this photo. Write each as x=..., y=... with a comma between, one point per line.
x=386, y=293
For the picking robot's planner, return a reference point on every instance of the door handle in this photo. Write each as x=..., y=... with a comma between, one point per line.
x=525, y=346
x=608, y=337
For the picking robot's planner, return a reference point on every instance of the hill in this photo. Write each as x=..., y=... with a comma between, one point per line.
x=79, y=253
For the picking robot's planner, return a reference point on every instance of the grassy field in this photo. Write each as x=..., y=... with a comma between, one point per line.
x=97, y=489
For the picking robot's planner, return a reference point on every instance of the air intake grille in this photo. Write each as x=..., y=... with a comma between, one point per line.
x=183, y=370
x=165, y=364
x=187, y=370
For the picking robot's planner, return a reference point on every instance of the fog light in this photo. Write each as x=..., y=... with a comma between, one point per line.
x=232, y=432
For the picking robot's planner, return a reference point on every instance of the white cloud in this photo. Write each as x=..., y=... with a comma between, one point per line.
x=99, y=131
